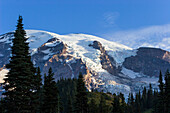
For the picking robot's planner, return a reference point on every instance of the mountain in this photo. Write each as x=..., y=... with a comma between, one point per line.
x=107, y=66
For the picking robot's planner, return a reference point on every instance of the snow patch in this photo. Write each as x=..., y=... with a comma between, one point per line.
x=131, y=73
x=6, y=40
x=52, y=44
x=1, y=55
x=46, y=57
x=36, y=38
x=71, y=71
x=148, y=80
x=3, y=72
x=47, y=51
x=119, y=56
x=9, y=49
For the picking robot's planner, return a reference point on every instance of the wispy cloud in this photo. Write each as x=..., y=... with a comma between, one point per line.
x=152, y=36
x=110, y=18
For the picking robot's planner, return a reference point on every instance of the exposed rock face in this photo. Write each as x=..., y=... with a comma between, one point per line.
x=108, y=62
x=45, y=52
x=63, y=69
x=149, y=61
x=56, y=57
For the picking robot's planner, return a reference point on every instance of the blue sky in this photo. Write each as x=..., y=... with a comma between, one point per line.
x=97, y=17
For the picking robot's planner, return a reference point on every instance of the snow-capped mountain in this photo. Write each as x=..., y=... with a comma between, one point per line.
x=106, y=65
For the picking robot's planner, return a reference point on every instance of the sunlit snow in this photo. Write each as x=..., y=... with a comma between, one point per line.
x=3, y=72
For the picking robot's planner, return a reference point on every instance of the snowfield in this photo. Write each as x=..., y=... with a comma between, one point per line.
x=131, y=73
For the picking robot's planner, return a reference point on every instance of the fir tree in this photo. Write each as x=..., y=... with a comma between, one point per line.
x=160, y=105
x=155, y=102
x=116, y=108
x=37, y=93
x=149, y=97
x=102, y=105
x=93, y=106
x=50, y=95
x=70, y=105
x=144, y=100
x=19, y=80
x=137, y=104
x=139, y=94
x=123, y=103
x=81, y=105
x=132, y=103
x=2, y=107
x=167, y=92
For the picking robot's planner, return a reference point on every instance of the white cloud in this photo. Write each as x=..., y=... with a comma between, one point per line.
x=110, y=18
x=153, y=36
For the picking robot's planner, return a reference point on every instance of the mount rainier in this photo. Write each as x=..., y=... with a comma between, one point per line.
x=107, y=66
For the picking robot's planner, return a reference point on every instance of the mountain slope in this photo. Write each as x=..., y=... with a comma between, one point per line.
x=106, y=65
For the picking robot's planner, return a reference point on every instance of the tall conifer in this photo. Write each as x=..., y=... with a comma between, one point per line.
x=103, y=108
x=51, y=100
x=160, y=105
x=149, y=97
x=93, y=106
x=81, y=105
x=137, y=104
x=167, y=92
x=37, y=93
x=116, y=108
x=144, y=99
x=19, y=80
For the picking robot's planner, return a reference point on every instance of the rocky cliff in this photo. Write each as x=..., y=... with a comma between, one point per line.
x=149, y=61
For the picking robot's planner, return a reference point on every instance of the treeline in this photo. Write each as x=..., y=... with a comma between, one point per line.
x=71, y=96
x=151, y=100
x=25, y=93
x=98, y=102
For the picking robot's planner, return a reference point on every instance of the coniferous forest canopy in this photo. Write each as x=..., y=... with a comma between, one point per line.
x=27, y=91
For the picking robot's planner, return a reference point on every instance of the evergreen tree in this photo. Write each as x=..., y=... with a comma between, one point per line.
x=67, y=91
x=139, y=94
x=50, y=95
x=129, y=107
x=129, y=99
x=123, y=103
x=102, y=105
x=144, y=100
x=70, y=105
x=93, y=106
x=155, y=102
x=116, y=108
x=19, y=80
x=81, y=105
x=160, y=105
x=149, y=97
x=2, y=110
x=137, y=103
x=37, y=93
x=132, y=103
x=167, y=92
